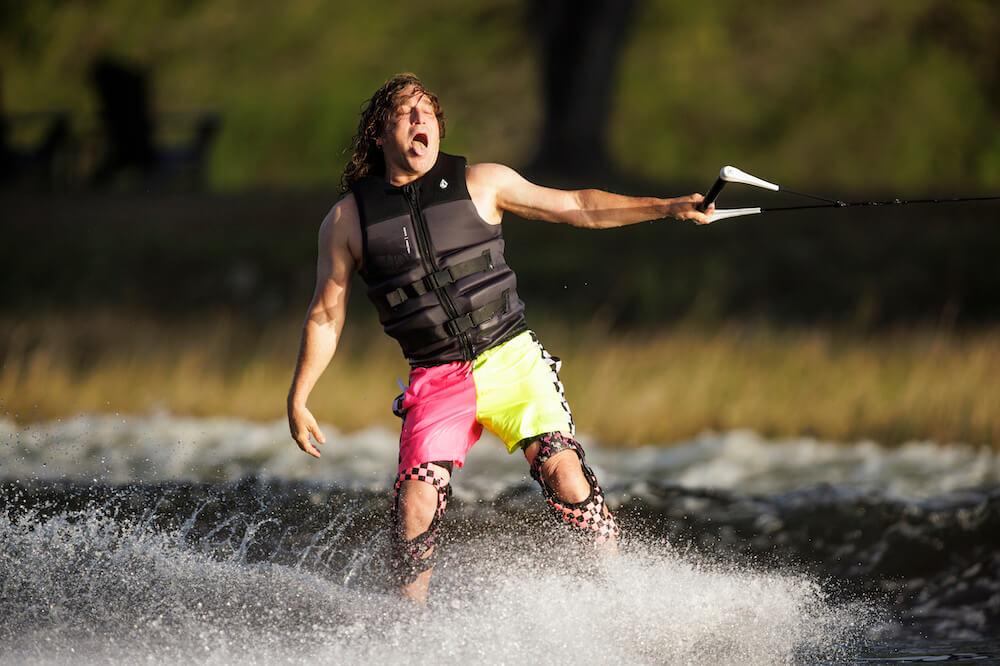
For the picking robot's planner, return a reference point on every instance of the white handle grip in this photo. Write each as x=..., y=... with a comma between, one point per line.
x=731, y=174
x=733, y=212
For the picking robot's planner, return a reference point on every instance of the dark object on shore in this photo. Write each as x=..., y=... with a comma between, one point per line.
x=129, y=129
x=34, y=163
x=581, y=45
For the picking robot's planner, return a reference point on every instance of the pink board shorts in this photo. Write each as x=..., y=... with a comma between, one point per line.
x=513, y=390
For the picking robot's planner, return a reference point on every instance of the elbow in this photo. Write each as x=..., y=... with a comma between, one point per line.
x=322, y=314
x=584, y=213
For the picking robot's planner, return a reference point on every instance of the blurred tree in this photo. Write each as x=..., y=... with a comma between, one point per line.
x=581, y=45
x=123, y=91
x=967, y=32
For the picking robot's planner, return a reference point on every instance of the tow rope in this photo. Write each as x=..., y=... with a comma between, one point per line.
x=730, y=174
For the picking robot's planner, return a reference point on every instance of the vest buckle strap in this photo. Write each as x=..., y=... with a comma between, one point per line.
x=396, y=297
x=459, y=325
x=463, y=323
x=439, y=279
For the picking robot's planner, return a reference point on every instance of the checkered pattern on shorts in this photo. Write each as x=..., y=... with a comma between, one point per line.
x=555, y=364
x=424, y=473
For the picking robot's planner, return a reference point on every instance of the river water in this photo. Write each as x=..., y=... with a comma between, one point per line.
x=164, y=539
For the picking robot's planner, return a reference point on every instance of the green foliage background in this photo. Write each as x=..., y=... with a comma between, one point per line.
x=848, y=93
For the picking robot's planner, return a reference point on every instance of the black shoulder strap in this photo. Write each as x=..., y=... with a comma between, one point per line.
x=444, y=182
x=377, y=200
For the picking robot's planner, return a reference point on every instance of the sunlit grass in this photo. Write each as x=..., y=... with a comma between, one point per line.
x=54, y=366
x=624, y=389
x=891, y=388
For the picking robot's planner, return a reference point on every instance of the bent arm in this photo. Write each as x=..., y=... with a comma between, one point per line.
x=593, y=209
x=324, y=319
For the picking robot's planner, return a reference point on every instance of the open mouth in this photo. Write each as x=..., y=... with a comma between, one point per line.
x=420, y=142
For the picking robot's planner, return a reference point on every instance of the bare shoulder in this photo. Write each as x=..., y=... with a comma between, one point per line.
x=341, y=228
x=489, y=175
x=485, y=182
x=344, y=212
x=510, y=191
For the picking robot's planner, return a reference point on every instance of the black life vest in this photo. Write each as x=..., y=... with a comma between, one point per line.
x=434, y=268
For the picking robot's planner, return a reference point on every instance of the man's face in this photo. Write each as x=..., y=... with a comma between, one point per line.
x=411, y=137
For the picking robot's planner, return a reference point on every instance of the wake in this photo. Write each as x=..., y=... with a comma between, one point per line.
x=89, y=586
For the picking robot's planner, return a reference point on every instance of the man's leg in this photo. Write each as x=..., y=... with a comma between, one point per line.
x=570, y=487
x=421, y=497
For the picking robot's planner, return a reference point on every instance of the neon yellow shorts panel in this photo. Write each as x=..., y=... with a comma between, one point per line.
x=518, y=392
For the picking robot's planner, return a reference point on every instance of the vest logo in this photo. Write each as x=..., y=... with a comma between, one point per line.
x=443, y=184
x=406, y=239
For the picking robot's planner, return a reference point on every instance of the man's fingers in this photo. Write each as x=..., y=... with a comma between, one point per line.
x=699, y=216
x=301, y=437
x=317, y=433
x=686, y=208
x=306, y=445
x=689, y=211
x=302, y=424
x=706, y=217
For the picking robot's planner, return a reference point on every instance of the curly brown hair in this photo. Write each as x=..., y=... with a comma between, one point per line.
x=366, y=155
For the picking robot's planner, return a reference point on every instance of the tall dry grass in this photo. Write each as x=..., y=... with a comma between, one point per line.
x=624, y=389
x=54, y=366
x=891, y=388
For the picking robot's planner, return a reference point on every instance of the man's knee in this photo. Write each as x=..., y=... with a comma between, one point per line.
x=564, y=474
x=421, y=497
x=416, y=507
x=579, y=501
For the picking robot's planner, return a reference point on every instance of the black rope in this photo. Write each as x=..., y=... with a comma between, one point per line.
x=893, y=202
x=837, y=202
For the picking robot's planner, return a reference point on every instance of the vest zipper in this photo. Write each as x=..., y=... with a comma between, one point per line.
x=412, y=196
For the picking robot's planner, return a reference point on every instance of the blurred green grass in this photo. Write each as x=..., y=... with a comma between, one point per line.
x=846, y=94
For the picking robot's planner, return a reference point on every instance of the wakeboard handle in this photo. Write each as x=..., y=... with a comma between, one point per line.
x=730, y=174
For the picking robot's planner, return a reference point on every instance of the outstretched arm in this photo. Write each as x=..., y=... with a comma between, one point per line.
x=497, y=188
x=339, y=240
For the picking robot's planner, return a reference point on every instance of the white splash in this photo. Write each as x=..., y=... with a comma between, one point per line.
x=100, y=591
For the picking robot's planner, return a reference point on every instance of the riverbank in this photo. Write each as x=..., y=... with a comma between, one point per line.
x=624, y=388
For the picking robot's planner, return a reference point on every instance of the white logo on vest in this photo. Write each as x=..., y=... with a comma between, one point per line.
x=443, y=184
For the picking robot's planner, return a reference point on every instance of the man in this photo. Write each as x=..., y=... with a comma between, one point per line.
x=423, y=229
